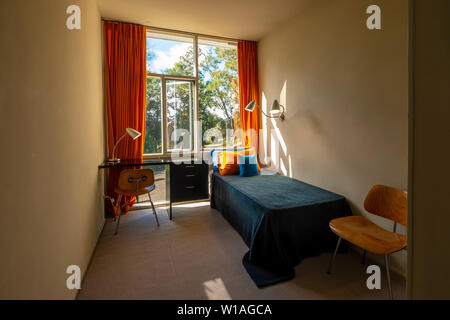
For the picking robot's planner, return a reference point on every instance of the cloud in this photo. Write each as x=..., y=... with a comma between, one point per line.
x=164, y=59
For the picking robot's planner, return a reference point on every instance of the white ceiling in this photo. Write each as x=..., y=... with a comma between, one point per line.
x=239, y=19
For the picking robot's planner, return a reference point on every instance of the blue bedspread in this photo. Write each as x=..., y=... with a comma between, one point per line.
x=282, y=221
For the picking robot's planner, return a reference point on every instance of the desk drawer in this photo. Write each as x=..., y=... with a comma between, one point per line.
x=189, y=192
x=189, y=182
x=180, y=170
x=191, y=177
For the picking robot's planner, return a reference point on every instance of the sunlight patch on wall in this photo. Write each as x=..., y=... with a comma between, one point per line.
x=283, y=94
x=263, y=152
x=279, y=161
x=274, y=150
x=274, y=121
x=279, y=137
x=290, y=166
x=283, y=167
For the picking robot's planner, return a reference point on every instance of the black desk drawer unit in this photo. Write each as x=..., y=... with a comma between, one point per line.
x=188, y=182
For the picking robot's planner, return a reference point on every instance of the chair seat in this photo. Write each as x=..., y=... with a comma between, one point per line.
x=133, y=192
x=367, y=235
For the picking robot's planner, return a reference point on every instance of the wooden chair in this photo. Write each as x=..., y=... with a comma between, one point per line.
x=383, y=201
x=134, y=182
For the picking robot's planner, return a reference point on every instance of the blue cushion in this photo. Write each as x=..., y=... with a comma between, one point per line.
x=248, y=166
x=215, y=160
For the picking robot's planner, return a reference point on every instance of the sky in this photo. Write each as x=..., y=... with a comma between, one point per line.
x=166, y=53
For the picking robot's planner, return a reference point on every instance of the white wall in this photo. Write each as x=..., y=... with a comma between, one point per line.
x=52, y=140
x=345, y=89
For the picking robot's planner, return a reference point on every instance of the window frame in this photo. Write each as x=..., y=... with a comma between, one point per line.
x=191, y=114
x=197, y=137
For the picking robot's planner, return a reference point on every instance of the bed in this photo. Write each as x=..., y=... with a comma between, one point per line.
x=282, y=221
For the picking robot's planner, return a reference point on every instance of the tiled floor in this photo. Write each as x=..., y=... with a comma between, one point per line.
x=198, y=255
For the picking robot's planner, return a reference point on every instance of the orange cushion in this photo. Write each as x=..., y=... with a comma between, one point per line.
x=228, y=164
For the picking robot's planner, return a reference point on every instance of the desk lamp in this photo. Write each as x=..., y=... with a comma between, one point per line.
x=130, y=132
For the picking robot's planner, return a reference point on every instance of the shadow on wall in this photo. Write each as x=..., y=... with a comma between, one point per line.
x=276, y=160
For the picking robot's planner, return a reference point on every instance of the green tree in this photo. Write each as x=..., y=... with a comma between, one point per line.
x=218, y=73
x=179, y=96
x=153, y=117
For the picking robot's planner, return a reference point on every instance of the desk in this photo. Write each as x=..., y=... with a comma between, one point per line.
x=185, y=181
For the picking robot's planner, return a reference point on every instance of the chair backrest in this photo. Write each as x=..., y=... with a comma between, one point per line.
x=132, y=179
x=387, y=202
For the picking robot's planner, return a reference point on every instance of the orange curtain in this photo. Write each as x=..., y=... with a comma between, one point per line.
x=126, y=78
x=248, y=91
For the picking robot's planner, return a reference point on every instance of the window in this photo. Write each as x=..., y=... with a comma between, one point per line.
x=192, y=93
x=180, y=101
x=153, y=126
x=218, y=91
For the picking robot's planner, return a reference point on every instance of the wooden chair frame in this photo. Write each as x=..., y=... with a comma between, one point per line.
x=389, y=203
x=141, y=179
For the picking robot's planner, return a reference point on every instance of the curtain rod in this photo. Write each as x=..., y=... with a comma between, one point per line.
x=176, y=31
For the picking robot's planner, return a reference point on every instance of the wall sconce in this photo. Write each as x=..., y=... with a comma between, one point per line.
x=276, y=109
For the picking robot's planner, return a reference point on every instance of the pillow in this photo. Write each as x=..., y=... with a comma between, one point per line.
x=228, y=164
x=215, y=161
x=248, y=166
x=250, y=152
x=215, y=156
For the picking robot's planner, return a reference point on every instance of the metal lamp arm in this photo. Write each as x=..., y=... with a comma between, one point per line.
x=265, y=113
x=281, y=116
x=115, y=146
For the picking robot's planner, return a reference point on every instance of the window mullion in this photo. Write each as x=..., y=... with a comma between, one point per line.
x=196, y=134
x=164, y=115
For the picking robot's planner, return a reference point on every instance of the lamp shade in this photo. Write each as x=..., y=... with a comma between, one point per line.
x=133, y=133
x=251, y=106
x=275, y=108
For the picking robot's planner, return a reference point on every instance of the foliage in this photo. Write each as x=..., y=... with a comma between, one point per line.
x=154, y=122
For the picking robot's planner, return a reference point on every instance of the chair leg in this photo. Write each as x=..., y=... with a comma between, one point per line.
x=386, y=260
x=118, y=211
x=363, y=262
x=117, y=207
x=154, y=211
x=334, y=256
